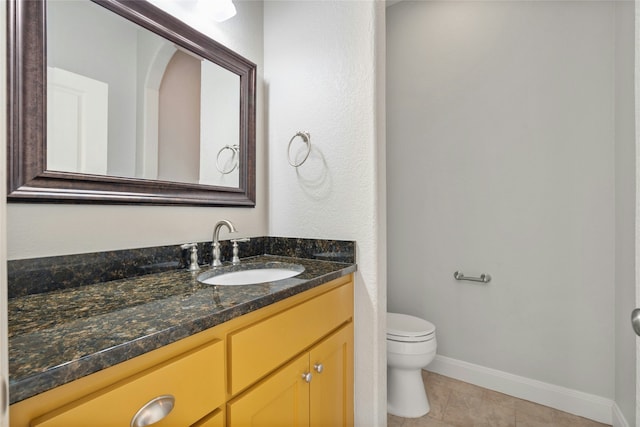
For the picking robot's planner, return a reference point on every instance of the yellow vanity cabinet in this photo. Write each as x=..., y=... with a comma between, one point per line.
x=261, y=347
x=311, y=347
x=315, y=389
x=252, y=364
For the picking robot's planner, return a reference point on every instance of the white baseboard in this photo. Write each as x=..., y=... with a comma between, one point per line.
x=618, y=417
x=575, y=402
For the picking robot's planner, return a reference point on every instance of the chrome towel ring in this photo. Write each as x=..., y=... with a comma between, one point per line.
x=306, y=138
x=234, y=159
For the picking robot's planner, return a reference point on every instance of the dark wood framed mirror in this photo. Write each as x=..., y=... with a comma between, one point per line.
x=29, y=177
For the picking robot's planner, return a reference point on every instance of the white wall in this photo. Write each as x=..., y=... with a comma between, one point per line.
x=625, y=175
x=500, y=120
x=321, y=77
x=47, y=229
x=637, y=218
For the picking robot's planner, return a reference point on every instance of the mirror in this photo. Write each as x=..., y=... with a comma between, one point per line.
x=140, y=108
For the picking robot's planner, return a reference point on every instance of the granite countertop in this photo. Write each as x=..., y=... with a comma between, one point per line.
x=57, y=337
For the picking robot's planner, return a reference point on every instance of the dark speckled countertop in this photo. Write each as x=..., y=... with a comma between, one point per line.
x=59, y=336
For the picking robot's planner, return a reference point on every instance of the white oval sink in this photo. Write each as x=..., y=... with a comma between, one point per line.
x=251, y=274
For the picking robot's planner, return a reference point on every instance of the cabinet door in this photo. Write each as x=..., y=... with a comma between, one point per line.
x=331, y=400
x=281, y=400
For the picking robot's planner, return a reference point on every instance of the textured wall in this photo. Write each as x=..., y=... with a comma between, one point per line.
x=501, y=160
x=321, y=77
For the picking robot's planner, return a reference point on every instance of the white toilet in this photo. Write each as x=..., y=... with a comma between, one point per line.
x=411, y=345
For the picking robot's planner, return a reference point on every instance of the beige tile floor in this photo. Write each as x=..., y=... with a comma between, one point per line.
x=458, y=404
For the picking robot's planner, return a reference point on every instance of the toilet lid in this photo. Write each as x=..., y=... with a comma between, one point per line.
x=402, y=327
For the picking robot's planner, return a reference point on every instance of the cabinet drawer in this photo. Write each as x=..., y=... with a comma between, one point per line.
x=195, y=380
x=263, y=346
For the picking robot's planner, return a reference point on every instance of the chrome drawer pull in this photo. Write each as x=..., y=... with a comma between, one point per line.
x=307, y=377
x=153, y=411
x=318, y=367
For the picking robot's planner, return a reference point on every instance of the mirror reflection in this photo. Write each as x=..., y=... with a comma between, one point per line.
x=125, y=102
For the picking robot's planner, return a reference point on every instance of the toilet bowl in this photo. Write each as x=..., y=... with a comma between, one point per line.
x=411, y=345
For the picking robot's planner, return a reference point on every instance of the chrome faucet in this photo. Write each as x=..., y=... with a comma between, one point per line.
x=216, y=236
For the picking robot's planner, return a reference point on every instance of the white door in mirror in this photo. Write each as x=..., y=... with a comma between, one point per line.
x=77, y=117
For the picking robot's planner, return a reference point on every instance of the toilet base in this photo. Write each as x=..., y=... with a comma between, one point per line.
x=406, y=396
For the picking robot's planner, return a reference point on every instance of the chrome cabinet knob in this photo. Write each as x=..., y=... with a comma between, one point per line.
x=318, y=367
x=307, y=377
x=153, y=411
